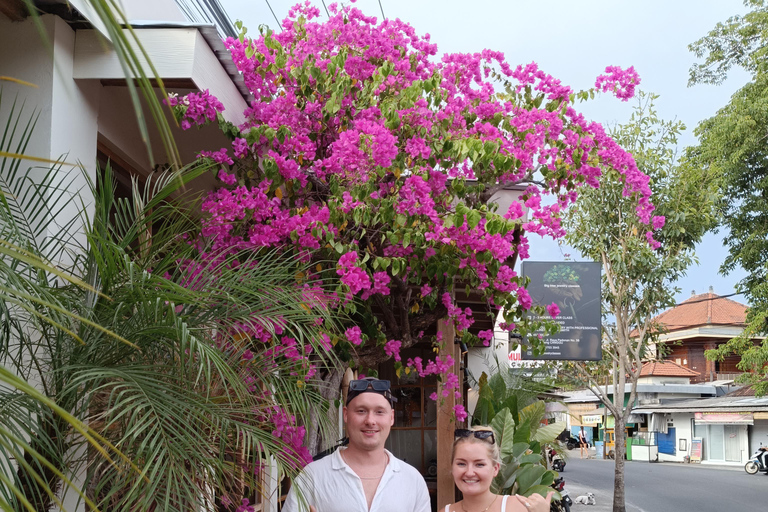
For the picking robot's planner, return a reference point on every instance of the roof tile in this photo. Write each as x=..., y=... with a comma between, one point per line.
x=703, y=309
x=666, y=369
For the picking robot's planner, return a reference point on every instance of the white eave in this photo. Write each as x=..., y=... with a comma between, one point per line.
x=179, y=52
x=585, y=395
x=719, y=404
x=705, y=331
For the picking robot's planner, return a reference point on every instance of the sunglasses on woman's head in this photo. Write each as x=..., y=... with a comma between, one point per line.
x=479, y=434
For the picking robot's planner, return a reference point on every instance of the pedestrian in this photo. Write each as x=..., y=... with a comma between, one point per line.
x=363, y=476
x=583, y=446
x=475, y=462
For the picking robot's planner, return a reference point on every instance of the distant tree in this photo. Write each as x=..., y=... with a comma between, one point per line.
x=637, y=270
x=732, y=148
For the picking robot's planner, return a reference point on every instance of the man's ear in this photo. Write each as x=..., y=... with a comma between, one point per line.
x=392, y=418
x=344, y=413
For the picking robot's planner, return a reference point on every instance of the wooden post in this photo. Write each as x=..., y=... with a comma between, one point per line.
x=445, y=425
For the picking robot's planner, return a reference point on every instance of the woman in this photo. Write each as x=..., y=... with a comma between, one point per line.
x=475, y=461
x=583, y=446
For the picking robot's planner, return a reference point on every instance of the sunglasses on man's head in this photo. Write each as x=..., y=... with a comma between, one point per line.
x=364, y=384
x=382, y=387
x=478, y=434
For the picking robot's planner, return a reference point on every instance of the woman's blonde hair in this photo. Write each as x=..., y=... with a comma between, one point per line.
x=493, y=449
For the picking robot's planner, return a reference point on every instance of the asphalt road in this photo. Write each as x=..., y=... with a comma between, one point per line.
x=667, y=487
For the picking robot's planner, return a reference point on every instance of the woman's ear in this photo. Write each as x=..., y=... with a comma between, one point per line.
x=496, y=467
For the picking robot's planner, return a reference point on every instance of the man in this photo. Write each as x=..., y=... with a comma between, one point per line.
x=763, y=456
x=363, y=476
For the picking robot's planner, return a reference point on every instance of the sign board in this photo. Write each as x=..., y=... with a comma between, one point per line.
x=724, y=418
x=591, y=419
x=696, y=449
x=575, y=288
x=760, y=415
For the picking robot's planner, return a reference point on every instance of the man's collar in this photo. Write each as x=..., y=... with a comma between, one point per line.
x=338, y=463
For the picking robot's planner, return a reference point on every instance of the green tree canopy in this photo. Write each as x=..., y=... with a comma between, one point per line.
x=732, y=149
x=638, y=272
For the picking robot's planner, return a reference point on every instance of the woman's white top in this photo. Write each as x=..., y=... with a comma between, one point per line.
x=503, y=504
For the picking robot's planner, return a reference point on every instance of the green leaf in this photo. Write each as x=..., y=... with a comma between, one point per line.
x=504, y=427
x=473, y=218
x=529, y=476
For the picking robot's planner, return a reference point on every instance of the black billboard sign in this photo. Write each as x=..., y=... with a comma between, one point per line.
x=575, y=288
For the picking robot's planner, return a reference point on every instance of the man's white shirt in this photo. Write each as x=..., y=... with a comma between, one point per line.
x=330, y=485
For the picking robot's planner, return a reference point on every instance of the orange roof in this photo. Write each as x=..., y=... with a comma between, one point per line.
x=666, y=369
x=703, y=309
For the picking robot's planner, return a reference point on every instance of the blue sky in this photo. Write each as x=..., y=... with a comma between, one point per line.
x=574, y=40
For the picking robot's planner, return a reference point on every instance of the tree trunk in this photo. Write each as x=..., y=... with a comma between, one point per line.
x=618, y=479
x=330, y=390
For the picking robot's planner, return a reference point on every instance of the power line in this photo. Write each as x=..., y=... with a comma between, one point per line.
x=382, y=11
x=708, y=298
x=326, y=9
x=273, y=14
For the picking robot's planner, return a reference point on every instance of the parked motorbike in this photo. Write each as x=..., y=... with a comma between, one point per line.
x=569, y=441
x=556, y=462
x=755, y=463
x=565, y=501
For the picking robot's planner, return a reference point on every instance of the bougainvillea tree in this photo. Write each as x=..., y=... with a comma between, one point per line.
x=377, y=160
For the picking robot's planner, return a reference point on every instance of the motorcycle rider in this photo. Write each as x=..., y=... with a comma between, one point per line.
x=763, y=458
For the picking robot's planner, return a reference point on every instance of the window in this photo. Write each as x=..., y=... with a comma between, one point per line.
x=414, y=435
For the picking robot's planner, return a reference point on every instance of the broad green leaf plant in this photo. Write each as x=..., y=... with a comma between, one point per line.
x=516, y=414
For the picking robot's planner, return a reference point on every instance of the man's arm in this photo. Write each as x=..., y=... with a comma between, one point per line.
x=422, y=499
x=299, y=495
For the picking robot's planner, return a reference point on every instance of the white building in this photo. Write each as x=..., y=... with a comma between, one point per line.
x=79, y=87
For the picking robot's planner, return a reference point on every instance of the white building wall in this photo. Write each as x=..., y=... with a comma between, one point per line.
x=681, y=422
x=663, y=380
x=488, y=360
x=67, y=123
x=152, y=10
x=758, y=435
x=74, y=128
x=35, y=65
x=67, y=114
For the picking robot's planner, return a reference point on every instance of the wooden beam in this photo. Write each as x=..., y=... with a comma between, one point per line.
x=14, y=10
x=446, y=491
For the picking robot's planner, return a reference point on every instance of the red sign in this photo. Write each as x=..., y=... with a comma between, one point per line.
x=726, y=418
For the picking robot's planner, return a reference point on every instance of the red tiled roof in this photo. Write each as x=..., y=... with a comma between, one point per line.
x=703, y=309
x=666, y=369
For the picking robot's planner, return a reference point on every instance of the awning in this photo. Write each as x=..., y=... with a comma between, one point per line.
x=555, y=407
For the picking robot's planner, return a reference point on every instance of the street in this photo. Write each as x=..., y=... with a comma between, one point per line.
x=663, y=487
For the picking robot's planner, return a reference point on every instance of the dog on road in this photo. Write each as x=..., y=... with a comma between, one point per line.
x=585, y=499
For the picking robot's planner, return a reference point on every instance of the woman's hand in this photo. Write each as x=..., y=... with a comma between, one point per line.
x=536, y=502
